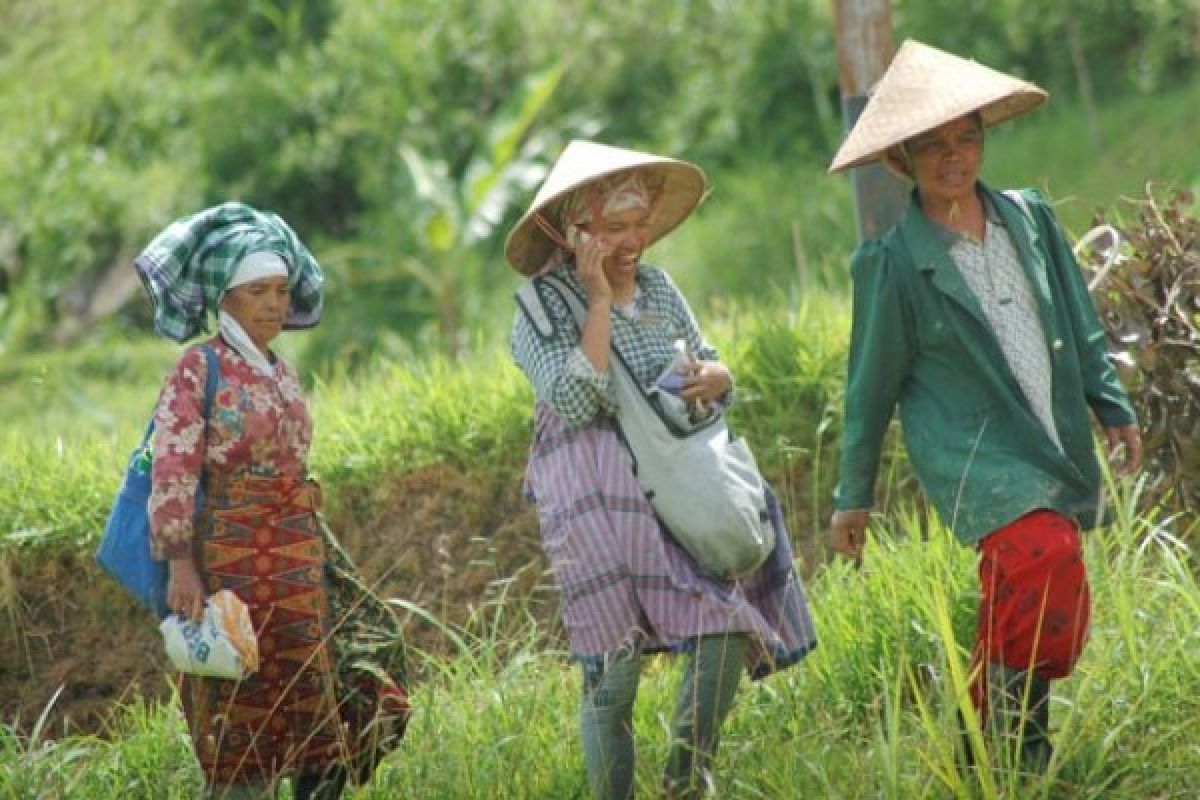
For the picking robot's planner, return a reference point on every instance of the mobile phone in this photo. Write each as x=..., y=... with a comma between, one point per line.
x=671, y=382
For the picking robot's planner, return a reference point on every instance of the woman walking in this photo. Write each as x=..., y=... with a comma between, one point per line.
x=327, y=700
x=972, y=317
x=627, y=588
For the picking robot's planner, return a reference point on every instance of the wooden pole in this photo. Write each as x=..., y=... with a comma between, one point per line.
x=863, y=30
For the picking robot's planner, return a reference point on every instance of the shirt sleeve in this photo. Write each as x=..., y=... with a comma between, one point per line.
x=881, y=352
x=1101, y=386
x=562, y=376
x=179, y=445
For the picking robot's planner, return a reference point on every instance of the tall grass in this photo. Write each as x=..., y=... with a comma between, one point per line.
x=397, y=417
x=871, y=713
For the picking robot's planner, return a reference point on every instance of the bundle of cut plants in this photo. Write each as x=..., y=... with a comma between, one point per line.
x=1147, y=291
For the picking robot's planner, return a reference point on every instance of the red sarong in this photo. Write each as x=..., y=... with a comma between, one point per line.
x=1035, y=606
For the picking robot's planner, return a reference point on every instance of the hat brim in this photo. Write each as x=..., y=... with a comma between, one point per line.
x=684, y=186
x=1001, y=110
x=924, y=88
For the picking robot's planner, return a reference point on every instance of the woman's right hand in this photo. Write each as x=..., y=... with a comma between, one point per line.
x=848, y=532
x=185, y=590
x=589, y=263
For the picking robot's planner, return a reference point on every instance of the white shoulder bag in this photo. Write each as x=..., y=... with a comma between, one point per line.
x=702, y=481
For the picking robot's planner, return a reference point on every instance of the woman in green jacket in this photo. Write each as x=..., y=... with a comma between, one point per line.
x=972, y=318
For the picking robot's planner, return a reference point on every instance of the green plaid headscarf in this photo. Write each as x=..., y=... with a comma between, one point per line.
x=187, y=267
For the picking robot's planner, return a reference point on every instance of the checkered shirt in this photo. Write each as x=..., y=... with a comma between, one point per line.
x=187, y=266
x=564, y=378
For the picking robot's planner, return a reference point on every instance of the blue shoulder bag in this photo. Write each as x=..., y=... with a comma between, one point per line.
x=124, y=550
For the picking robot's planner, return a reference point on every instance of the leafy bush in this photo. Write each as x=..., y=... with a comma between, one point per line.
x=1149, y=302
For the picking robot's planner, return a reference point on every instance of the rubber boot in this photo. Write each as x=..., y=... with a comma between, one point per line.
x=1036, y=749
x=1019, y=717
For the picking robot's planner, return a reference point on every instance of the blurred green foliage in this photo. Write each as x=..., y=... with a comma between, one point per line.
x=401, y=139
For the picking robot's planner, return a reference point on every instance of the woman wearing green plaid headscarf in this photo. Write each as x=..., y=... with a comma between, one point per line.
x=187, y=267
x=327, y=700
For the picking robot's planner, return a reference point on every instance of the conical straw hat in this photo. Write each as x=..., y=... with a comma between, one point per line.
x=925, y=87
x=683, y=187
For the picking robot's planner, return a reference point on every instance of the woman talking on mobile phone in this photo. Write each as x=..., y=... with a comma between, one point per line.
x=627, y=588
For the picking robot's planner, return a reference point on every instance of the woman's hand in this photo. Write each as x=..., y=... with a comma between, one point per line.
x=1125, y=448
x=589, y=263
x=848, y=532
x=705, y=381
x=185, y=590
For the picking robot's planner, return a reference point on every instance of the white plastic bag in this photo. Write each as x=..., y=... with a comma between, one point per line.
x=221, y=645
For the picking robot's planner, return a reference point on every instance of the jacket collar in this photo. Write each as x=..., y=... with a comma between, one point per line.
x=927, y=245
x=1023, y=230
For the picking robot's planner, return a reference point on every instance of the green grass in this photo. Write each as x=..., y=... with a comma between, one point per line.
x=869, y=714
x=1135, y=141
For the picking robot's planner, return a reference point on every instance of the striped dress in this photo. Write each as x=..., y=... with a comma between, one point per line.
x=622, y=579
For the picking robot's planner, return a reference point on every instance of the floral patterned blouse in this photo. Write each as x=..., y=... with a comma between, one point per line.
x=258, y=424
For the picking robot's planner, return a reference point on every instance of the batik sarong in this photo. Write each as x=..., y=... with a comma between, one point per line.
x=315, y=700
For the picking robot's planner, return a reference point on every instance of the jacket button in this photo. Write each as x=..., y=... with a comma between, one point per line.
x=1057, y=344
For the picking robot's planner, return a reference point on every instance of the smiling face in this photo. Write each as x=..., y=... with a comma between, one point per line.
x=627, y=232
x=259, y=307
x=945, y=162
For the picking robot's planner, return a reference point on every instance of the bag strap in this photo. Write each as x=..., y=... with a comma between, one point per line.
x=575, y=303
x=529, y=299
x=212, y=374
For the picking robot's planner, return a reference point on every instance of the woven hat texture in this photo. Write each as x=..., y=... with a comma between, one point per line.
x=683, y=187
x=925, y=87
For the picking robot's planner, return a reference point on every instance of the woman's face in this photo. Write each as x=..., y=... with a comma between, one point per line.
x=945, y=161
x=627, y=233
x=259, y=307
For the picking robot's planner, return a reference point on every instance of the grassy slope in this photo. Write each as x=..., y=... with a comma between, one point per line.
x=75, y=424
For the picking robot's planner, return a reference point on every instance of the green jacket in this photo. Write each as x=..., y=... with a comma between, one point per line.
x=920, y=341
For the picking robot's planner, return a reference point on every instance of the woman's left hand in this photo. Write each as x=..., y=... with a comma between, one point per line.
x=705, y=381
x=1124, y=448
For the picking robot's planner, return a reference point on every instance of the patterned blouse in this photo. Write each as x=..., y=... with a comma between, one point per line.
x=992, y=268
x=257, y=424
x=644, y=333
